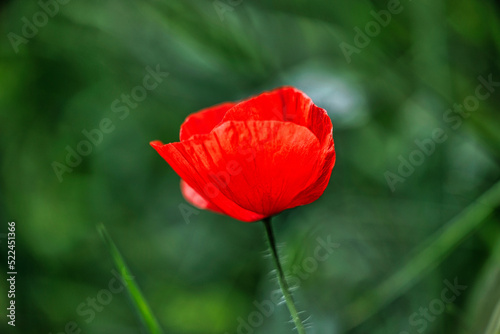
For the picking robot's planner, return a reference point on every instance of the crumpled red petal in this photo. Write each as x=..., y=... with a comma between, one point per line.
x=291, y=105
x=248, y=170
x=196, y=199
x=286, y=104
x=202, y=122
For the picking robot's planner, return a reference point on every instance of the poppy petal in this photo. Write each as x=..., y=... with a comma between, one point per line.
x=176, y=158
x=291, y=105
x=316, y=188
x=193, y=197
x=203, y=121
x=257, y=166
x=286, y=104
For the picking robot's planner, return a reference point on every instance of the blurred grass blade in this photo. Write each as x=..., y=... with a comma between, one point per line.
x=494, y=326
x=484, y=302
x=142, y=307
x=428, y=256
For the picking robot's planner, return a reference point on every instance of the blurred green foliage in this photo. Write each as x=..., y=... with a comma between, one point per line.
x=395, y=247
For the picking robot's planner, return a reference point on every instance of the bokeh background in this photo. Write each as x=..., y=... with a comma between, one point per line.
x=399, y=243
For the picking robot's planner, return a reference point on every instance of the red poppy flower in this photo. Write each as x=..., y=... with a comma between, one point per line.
x=256, y=158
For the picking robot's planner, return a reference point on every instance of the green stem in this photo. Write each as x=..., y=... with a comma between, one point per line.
x=281, y=277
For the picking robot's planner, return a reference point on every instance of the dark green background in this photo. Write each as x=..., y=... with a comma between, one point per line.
x=199, y=277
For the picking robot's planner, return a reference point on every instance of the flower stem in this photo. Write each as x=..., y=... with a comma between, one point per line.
x=281, y=277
